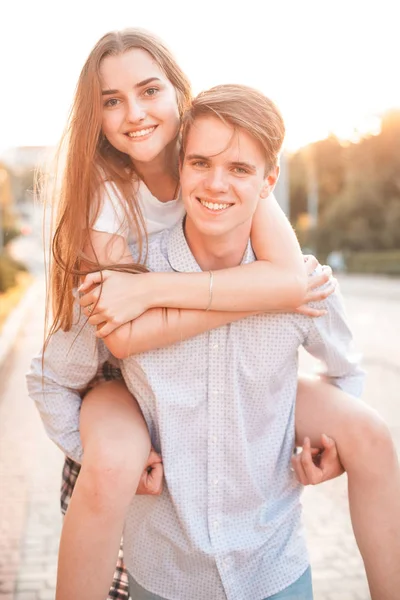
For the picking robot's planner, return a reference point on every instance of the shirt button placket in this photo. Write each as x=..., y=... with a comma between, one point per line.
x=214, y=449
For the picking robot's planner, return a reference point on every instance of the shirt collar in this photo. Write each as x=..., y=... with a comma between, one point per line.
x=180, y=256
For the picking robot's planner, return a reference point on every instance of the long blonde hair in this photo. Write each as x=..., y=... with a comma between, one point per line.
x=76, y=184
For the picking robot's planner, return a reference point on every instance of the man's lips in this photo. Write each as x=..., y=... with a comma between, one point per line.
x=214, y=205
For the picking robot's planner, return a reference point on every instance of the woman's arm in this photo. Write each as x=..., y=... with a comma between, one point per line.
x=277, y=282
x=162, y=327
x=273, y=238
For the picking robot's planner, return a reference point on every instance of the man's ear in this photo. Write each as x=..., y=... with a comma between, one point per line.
x=270, y=182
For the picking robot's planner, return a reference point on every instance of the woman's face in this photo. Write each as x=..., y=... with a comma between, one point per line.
x=140, y=109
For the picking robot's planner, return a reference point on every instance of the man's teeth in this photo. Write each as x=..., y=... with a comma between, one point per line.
x=135, y=134
x=213, y=205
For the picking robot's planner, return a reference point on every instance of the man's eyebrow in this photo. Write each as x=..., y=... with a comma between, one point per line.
x=244, y=165
x=137, y=85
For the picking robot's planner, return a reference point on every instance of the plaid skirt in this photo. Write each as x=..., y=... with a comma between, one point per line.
x=119, y=589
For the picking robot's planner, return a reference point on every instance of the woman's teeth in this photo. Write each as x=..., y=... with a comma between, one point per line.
x=142, y=132
x=214, y=206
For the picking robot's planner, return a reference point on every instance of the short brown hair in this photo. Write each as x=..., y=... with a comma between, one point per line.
x=242, y=107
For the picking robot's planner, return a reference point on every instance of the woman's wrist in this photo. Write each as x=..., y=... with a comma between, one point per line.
x=178, y=290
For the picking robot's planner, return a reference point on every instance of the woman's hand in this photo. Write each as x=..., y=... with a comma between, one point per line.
x=114, y=298
x=320, y=286
x=315, y=465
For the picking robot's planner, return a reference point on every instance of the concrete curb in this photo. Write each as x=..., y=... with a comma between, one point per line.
x=15, y=320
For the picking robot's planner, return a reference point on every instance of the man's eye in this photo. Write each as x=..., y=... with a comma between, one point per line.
x=240, y=170
x=200, y=164
x=111, y=102
x=151, y=91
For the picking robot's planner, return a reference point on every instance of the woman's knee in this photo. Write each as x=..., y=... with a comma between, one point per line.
x=368, y=443
x=111, y=471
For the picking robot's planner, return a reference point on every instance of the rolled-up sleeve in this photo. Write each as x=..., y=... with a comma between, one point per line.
x=57, y=378
x=331, y=341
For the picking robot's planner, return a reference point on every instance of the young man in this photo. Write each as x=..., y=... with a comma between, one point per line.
x=220, y=406
x=229, y=522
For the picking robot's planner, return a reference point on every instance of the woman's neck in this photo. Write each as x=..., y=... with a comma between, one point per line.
x=161, y=175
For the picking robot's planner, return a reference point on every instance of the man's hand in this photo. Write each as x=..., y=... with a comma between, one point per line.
x=316, y=465
x=319, y=287
x=151, y=482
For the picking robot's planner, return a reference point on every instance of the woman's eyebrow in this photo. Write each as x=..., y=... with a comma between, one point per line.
x=137, y=85
x=197, y=157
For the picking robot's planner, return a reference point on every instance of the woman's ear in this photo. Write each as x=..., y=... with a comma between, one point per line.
x=269, y=182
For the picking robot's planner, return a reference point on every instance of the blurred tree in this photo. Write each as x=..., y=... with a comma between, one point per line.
x=358, y=191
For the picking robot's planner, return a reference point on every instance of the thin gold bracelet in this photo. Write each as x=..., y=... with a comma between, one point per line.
x=210, y=290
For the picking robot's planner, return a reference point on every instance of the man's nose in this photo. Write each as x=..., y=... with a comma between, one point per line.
x=136, y=112
x=217, y=181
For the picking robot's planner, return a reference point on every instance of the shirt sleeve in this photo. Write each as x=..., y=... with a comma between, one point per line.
x=55, y=381
x=112, y=217
x=331, y=341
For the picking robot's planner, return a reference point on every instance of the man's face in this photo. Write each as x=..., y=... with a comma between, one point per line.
x=222, y=176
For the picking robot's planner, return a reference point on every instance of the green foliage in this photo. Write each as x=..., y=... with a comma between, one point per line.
x=379, y=263
x=358, y=189
x=9, y=269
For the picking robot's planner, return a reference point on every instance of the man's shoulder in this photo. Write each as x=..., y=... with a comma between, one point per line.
x=157, y=251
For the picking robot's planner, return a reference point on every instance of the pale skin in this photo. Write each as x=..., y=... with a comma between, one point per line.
x=105, y=409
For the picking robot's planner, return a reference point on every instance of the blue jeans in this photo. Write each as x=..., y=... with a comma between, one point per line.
x=299, y=590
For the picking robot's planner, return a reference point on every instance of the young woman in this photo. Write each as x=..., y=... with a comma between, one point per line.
x=121, y=181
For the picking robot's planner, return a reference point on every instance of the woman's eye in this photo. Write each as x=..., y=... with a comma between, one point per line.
x=151, y=91
x=111, y=102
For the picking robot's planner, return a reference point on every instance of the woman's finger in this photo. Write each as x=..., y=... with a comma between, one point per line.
x=316, y=295
x=92, y=279
x=95, y=319
x=311, y=263
x=107, y=328
x=308, y=311
x=90, y=298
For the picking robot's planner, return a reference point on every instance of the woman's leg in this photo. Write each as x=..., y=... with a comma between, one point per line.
x=367, y=452
x=116, y=446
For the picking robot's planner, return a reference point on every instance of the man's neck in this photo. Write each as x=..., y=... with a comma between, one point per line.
x=212, y=252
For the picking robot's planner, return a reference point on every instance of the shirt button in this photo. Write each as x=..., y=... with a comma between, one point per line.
x=216, y=481
x=215, y=392
x=214, y=439
x=216, y=524
x=215, y=347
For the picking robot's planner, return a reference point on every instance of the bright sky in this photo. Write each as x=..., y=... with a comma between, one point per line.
x=331, y=65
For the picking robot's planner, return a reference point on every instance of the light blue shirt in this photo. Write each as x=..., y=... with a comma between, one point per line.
x=220, y=408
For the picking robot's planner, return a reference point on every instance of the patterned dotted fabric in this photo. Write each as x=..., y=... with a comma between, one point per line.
x=220, y=408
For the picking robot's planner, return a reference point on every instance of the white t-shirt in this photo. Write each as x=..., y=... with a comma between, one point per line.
x=157, y=215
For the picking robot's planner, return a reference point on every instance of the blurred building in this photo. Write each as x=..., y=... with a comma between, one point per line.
x=25, y=157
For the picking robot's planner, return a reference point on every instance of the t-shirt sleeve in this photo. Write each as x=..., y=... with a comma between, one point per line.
x=112, y=217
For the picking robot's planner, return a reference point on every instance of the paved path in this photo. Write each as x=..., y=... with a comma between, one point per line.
x=30, y=464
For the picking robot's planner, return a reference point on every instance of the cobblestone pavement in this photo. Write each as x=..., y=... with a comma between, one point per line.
x=30, y=465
